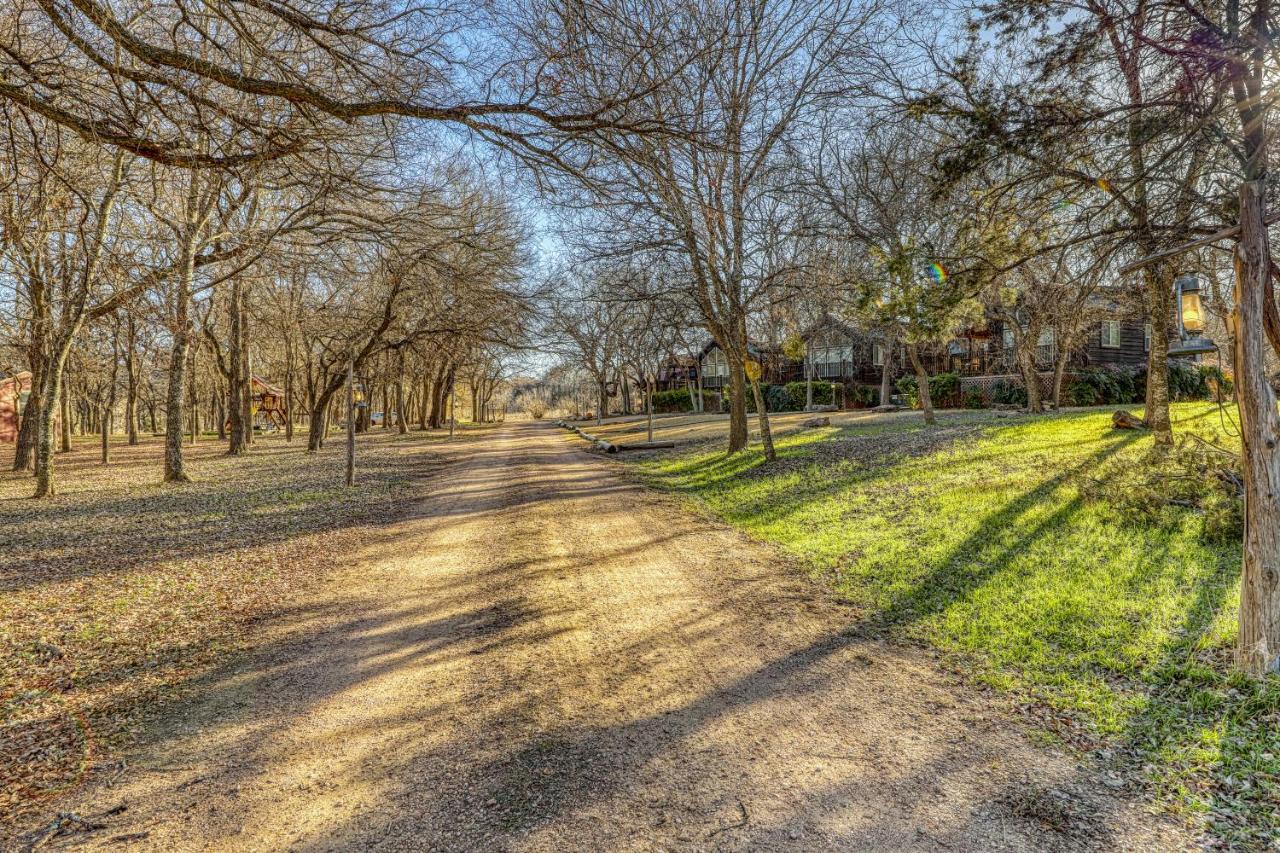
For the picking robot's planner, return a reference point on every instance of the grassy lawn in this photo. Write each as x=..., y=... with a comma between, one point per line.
x=974, y=536
x=120, y=590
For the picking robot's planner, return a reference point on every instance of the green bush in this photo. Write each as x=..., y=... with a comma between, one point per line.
x=680, y=400
x=1186, y=382
x=1095, y=386
x=973, y=399
x=862, y=396
x=944, y=390
x=776, y=398
x=824, y=394
x=1008, y=394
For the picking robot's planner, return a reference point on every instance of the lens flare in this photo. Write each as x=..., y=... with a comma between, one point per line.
x=938, y=273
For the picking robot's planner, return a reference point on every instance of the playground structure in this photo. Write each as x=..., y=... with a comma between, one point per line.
x=268, y=409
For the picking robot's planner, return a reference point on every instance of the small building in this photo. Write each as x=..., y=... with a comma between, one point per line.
x=268, y=404
x=14, y=392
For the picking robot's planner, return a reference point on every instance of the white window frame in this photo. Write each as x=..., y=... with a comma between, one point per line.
x=1146, y=337
x=877, y=355
x=1110, y=334
x=1007, y=339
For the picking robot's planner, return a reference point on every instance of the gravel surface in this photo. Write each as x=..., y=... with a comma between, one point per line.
x=545, y=656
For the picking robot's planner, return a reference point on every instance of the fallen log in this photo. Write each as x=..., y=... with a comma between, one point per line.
x=1124, y=420
x=605, y=446
x=887, y=407
x=815, y=422
x=647, y=445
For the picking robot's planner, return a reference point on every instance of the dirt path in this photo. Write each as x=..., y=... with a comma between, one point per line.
x=547, y=657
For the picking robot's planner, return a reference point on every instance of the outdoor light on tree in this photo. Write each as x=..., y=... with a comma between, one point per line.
x=1190, y=309
x=1190, y=320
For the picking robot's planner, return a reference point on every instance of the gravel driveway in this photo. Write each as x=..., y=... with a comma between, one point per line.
x=545, y=656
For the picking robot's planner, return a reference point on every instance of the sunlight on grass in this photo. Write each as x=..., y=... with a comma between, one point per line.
x=974, y=537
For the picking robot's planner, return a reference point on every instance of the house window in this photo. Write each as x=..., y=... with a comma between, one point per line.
x=1111, y=334
x=717, y=364
x=1008, y=338
x=877, y=355
x=1045, y=346
x=1146, y=338
x=829, y=353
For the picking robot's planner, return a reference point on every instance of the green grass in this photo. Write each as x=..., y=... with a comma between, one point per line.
x=974, y=537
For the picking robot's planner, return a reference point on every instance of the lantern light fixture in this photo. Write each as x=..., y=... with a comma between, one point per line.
x=1190, y=320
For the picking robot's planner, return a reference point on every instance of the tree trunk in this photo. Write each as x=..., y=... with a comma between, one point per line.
x=64, y=421
x=808, y=383
x=922, y=383
x=1030, y=376
x=1059, y=371
x=288, y=394
x=131, y=387
x=236, y=441
x=1159, y=287
x=24, y=451
x=886, y=369
x=737, y=403
x=193, y=400
x=1259, y=639
x=762, y=415
x=174, y=467
x=49, y=399
x=351, y=433
x=246, y=390
x=402, y=425
x=109, y=410
x=318, y=427
x=649, y=407
x=219, y=409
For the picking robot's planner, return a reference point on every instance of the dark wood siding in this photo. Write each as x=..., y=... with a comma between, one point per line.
x=1132, y=351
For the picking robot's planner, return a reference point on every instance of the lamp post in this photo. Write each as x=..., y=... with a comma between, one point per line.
x=1190, y=320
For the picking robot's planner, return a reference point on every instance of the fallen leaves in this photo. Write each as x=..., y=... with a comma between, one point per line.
x=119, y=591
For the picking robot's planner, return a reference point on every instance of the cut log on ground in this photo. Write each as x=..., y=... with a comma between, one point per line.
x=815, y=422
x=887, y=407
x=605, y=446
x=647, y=445
x=1125, y=420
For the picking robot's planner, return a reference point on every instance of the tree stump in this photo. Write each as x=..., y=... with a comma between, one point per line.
x=1124, y=420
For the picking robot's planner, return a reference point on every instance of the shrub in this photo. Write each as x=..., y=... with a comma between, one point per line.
x=1186, y=382
x=681, y=400
x=1095, y=386
x=777, y=399
x=1008, y=394
x=944, y=390
x=824, y=394
x=862, y=396
x=973, y=399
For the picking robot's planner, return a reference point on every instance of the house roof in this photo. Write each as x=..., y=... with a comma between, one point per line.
x=262, y=386
x=20, y=377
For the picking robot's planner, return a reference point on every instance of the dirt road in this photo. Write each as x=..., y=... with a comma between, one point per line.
x=546, y=657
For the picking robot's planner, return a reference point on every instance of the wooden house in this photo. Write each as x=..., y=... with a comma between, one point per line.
x=14, y=391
